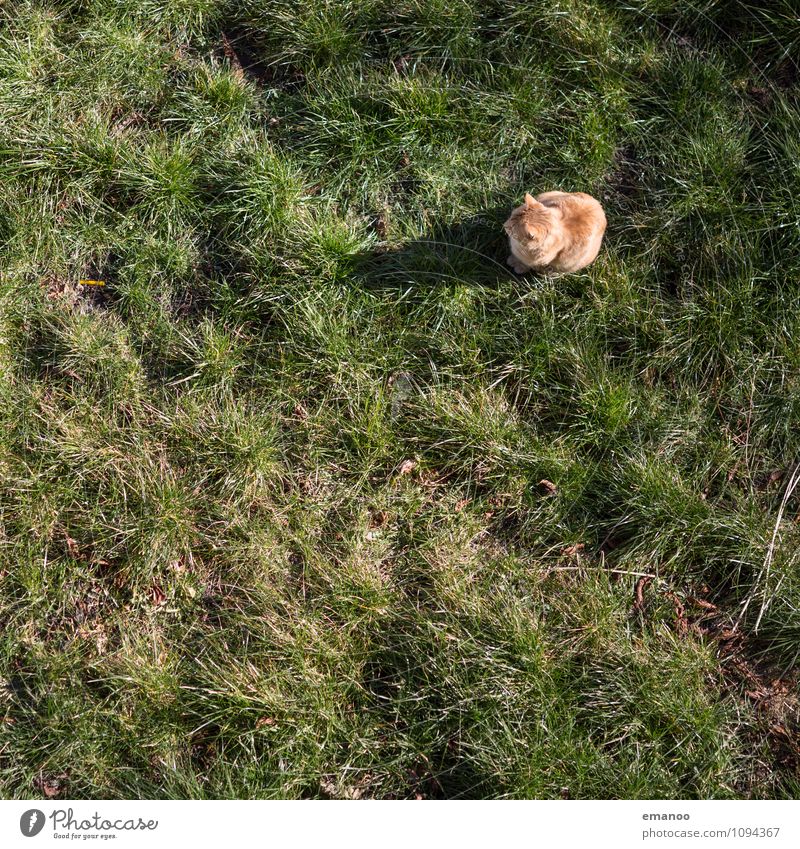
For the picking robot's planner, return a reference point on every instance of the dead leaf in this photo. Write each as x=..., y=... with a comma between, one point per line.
x=700, y=602
x=760, y=94
x=329, y=788
x=548, y=486
x=638, y=592
x=231, y=56
x=407, y=466
x=51, y=786
x=72, y=546
x=681, y=623
x=379, y=225
x=378, y=519
x=132, y=120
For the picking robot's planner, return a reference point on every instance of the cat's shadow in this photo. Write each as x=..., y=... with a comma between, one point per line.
x=471, y=251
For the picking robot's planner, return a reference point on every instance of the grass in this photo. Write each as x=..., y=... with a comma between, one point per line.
x=315, y=498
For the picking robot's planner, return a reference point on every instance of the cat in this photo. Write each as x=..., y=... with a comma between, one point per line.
x=556, y=231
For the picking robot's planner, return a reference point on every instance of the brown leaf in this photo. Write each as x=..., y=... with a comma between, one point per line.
x=548, y=486
x=265, y=721
x=232, y=57
x=638, y=592
x=132, y=120
x=700, y=602
x=51, y=785
x=573, y=550
x=72, y=546
x=407, y=466
x=760, y=94
x=378, y=519
x=681, y=623
x=379, y=225
x=157, y=594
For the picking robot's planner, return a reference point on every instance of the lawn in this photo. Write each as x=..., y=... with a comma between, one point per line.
x=314, y=497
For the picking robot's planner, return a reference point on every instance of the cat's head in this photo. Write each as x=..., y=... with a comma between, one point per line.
x=529, y=223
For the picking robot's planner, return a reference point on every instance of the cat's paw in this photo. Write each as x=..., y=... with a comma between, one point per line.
x=519, y=267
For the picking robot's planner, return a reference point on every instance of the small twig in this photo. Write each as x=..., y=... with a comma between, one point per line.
x=765, y=569
x=612, y=571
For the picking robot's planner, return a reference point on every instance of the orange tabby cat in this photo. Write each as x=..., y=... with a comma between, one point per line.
x=557, y=231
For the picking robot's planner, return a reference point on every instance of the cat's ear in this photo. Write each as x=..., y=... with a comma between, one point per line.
x=529, y=201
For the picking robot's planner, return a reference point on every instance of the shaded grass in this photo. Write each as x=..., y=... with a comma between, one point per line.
x=313, y=497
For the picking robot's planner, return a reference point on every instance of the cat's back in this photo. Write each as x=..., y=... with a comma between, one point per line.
x=583, y=224
x=581, y=214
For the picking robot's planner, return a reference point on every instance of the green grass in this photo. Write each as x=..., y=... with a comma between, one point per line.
x=272, y=519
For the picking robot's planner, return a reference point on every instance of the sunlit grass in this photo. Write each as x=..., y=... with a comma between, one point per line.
x=314, y=497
